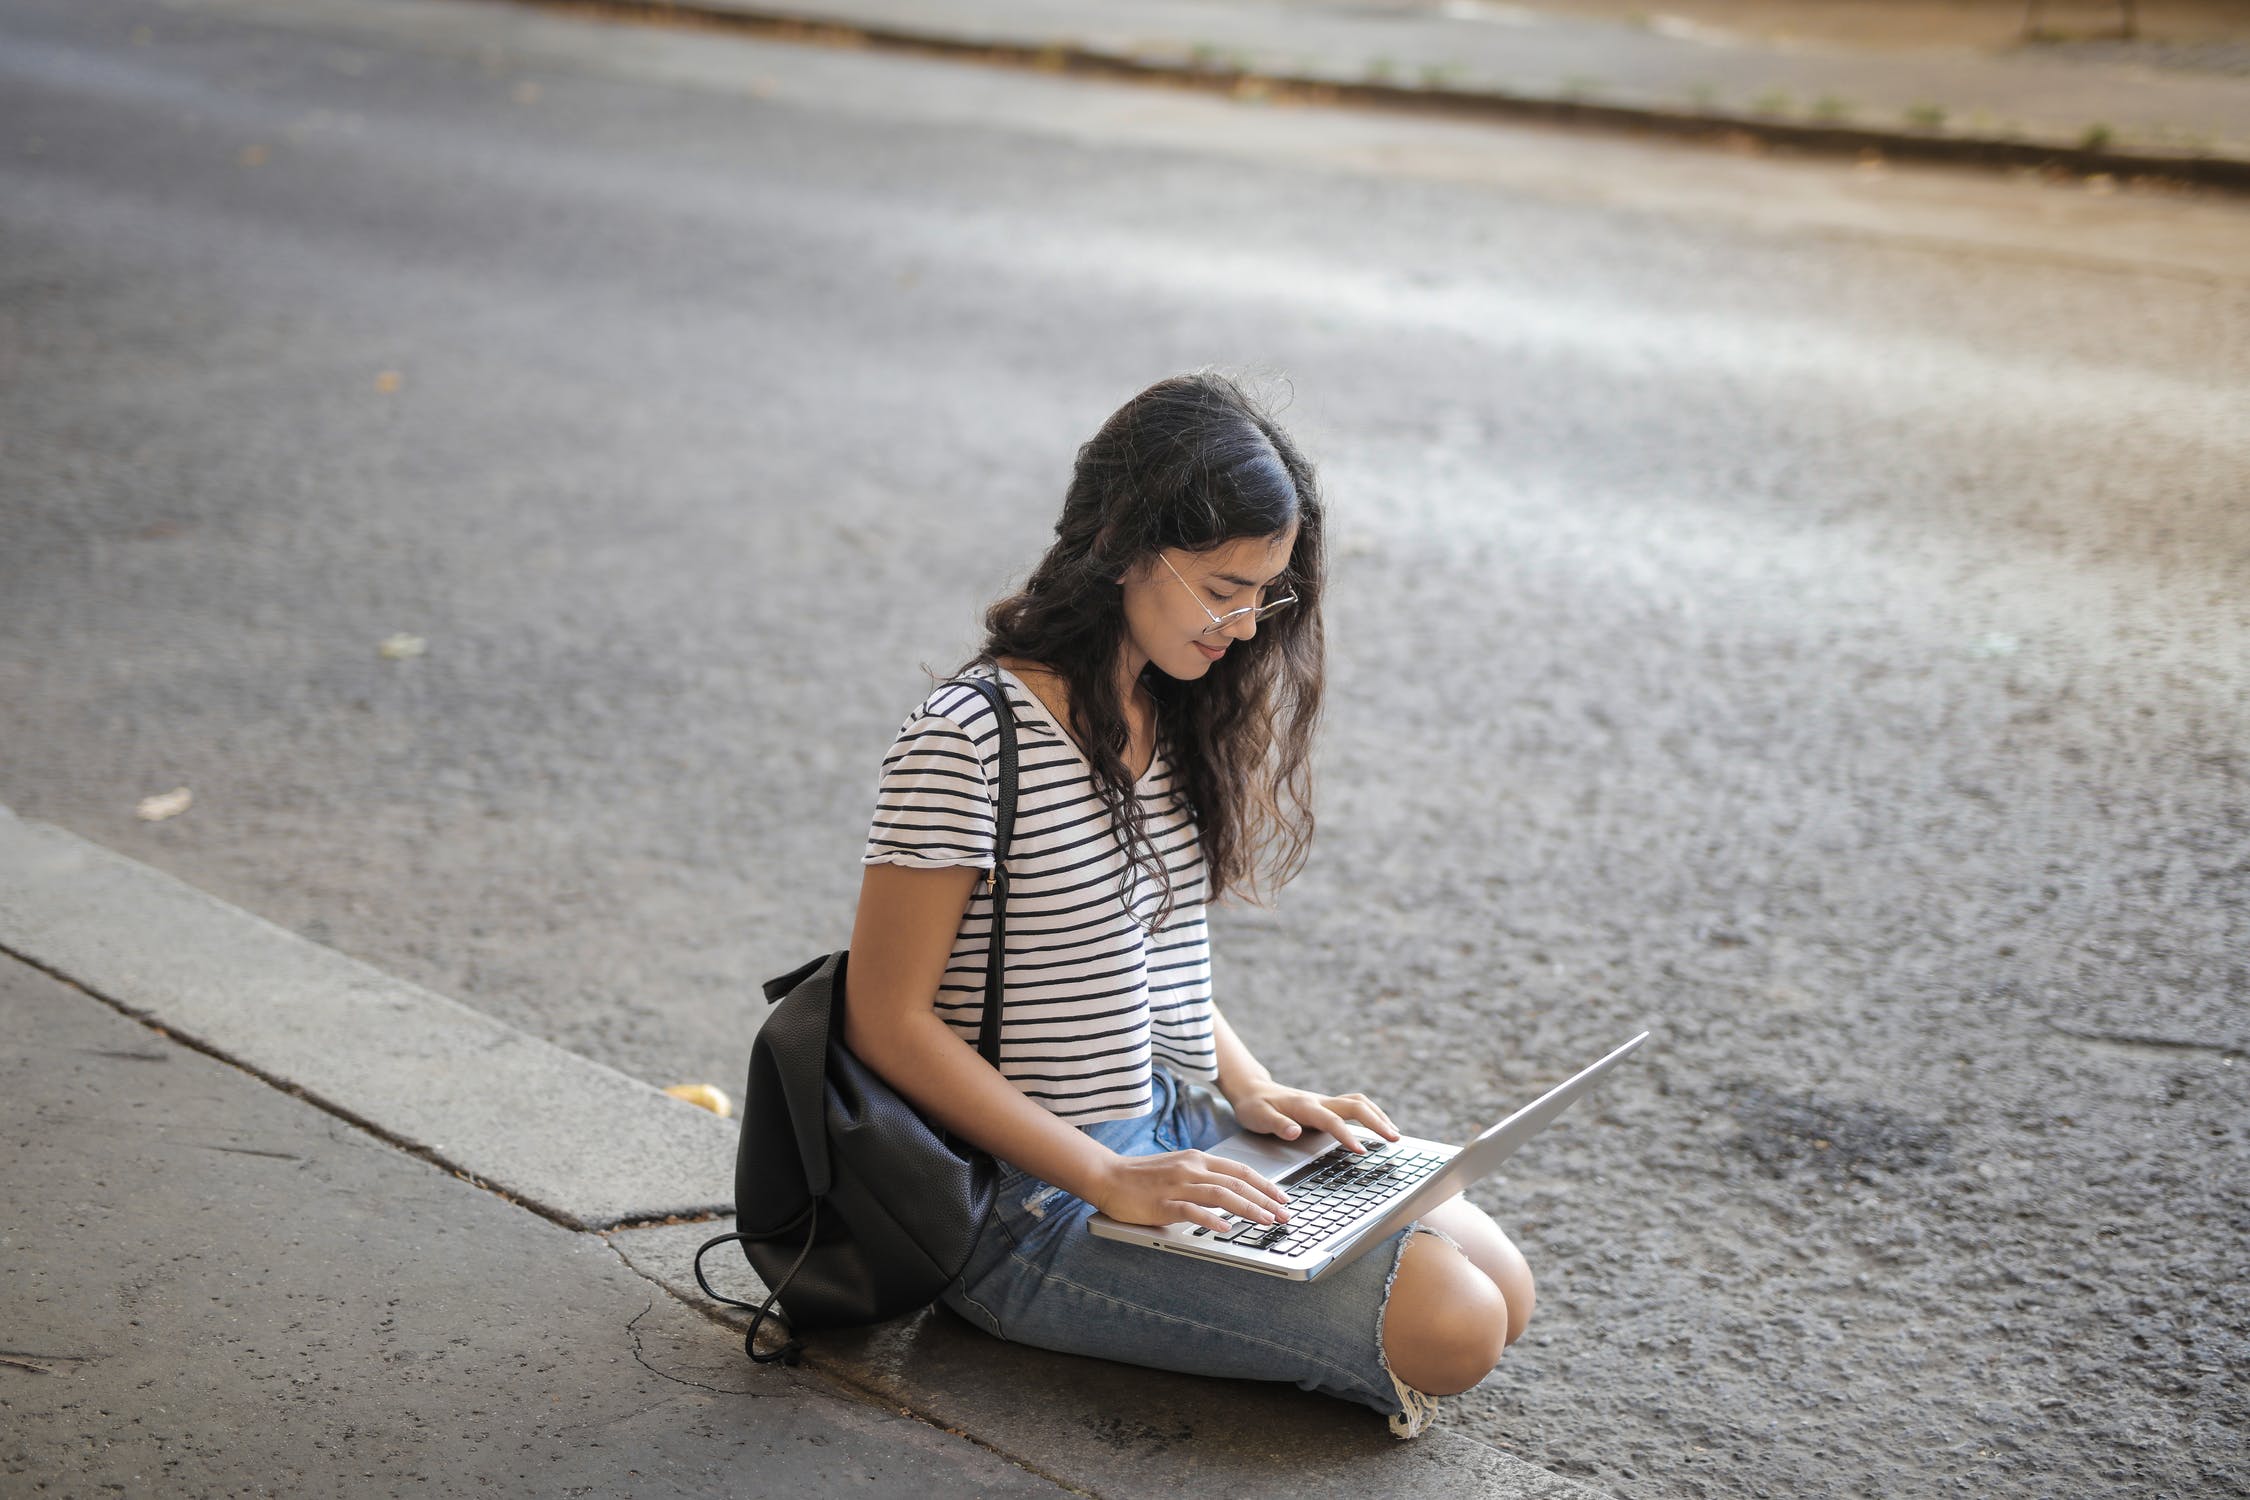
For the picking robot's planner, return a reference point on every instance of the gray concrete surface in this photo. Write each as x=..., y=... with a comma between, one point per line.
x=291, y=1297
x=1113, y=1430
x=1795, y=606
x=213, y=1288
x=571, y=1138
x=1913, y=100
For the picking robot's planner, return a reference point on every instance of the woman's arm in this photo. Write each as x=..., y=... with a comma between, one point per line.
x=900, y=943
x=1238, y=1070
x=1261, y=1104
x=908, y=919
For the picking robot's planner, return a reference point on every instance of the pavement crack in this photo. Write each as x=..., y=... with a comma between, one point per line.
x=2145, y=1042
x=40, y=1364
x=633, y=1330
x=840, y=1379
x=250, y=1151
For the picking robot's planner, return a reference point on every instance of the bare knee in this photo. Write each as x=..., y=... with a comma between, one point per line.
x=1516, y=1286
x=1490, y=1249
x=1446, y=1322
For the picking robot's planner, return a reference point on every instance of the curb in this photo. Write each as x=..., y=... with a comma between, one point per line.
x=386, y=1055
x=2229, y=174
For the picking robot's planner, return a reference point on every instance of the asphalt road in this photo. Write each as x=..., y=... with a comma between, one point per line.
x=1795, y=608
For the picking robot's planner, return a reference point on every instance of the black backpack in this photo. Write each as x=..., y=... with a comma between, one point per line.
x=848, y=1204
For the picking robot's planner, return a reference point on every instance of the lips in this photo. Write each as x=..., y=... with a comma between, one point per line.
x=1207, y=651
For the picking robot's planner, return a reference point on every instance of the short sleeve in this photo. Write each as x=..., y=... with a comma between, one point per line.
x=933, y=804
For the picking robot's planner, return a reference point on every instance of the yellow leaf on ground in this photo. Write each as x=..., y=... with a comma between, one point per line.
x=704, y=1096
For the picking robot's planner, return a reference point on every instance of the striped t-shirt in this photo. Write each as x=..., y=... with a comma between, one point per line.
x=1091, y=995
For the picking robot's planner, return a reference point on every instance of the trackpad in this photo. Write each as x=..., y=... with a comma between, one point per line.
x=1269, y=1156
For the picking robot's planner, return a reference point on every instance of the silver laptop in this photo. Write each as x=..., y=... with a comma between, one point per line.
x=1341, y=1202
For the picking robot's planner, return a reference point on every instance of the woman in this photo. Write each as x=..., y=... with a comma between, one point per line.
x=1164, y=664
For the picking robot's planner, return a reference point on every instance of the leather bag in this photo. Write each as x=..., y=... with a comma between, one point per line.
x=849, y=1204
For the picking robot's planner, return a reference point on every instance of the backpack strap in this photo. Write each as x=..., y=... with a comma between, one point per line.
x=793, y=1348
x=1003, y=835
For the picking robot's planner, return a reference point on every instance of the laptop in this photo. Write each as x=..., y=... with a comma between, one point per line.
x=1342, y=1203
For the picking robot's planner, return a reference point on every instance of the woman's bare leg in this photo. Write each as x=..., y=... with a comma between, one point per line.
x=1446, y=1322
x=1488, y=1248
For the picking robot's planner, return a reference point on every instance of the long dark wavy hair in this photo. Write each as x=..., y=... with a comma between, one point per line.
x=1192, y=462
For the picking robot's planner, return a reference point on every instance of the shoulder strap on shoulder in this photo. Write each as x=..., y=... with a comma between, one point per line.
x=1004, y=821
x=1003, y=834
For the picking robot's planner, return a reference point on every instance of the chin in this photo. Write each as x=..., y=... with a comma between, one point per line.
x=1194, y=666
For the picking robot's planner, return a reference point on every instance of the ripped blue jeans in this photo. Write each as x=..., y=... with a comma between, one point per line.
x=1040, y=1276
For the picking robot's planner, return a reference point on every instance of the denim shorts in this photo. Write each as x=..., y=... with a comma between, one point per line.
x=1039, y=1276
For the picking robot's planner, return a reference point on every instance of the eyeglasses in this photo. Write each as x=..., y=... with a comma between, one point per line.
x=1265, y=611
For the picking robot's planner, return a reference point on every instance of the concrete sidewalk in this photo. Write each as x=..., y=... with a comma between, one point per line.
x=214, y=1288
x=2009, y=109
x=276, y=1222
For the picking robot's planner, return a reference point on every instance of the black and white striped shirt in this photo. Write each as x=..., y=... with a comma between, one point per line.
x=1091, y=996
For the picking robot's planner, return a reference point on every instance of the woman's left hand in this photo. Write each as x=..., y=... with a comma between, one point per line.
x=1278, y=1110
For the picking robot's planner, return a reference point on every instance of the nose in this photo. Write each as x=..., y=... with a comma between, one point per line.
x=1243, y=628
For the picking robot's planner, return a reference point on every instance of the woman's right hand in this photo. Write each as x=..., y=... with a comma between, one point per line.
x=1191, y=1185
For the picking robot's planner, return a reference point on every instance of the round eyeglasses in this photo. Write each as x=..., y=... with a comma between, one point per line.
x=1257, y=612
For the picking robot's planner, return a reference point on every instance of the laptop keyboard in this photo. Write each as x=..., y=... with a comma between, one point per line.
x=1340, y=1188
